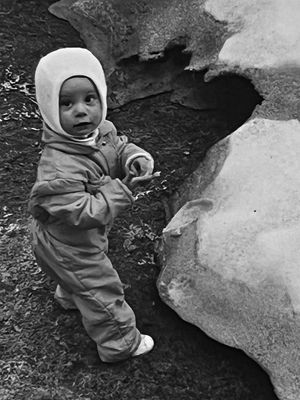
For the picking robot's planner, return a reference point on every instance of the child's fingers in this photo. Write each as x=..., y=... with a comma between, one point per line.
x=145, y=178
x=128, y=178
x=156, y=174
x=134, y=170
x=145, y=169
x=142, y=166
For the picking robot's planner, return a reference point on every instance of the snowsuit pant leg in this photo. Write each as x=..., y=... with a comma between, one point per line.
x=108, y=319
x=98, y=293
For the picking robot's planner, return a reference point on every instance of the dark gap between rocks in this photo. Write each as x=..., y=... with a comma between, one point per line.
x=233, y=96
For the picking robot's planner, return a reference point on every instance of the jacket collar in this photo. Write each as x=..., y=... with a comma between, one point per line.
x=65, y=143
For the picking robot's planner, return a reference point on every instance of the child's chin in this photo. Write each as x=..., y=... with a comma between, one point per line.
x=83, y=132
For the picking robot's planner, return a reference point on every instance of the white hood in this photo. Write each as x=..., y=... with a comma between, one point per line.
x=51, y=73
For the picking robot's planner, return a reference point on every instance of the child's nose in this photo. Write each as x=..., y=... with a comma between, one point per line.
x=80, y=109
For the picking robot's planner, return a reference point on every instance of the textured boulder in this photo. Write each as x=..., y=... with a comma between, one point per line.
x=256, y=39
x=124, y=35
x=232, y=255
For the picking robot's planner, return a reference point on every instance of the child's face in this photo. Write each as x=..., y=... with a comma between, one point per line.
x=80, y=109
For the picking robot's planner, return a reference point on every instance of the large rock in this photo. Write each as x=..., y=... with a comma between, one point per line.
x=256, y=39
x=126, y=34
x=232, y=256
x=264, y=45
x=266, y=32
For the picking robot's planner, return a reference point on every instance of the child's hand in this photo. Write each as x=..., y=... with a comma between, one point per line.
x=131, y=181
x=141, y=167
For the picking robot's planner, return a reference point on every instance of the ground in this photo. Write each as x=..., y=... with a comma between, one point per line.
x=45, y=352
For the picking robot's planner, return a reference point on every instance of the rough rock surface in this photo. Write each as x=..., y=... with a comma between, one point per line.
x=256, y=39
x=122, y=33
x=230, y=254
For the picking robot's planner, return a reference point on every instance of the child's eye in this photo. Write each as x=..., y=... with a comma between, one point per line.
x=65, y=103
x=90, y=98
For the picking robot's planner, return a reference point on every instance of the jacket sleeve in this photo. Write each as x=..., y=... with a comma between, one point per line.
x=68, y=201
x=127, y=151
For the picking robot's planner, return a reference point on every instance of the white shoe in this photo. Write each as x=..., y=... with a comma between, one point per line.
x=146, y=345
x=64, y=299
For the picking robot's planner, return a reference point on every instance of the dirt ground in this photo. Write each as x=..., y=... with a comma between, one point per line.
x=44, y=351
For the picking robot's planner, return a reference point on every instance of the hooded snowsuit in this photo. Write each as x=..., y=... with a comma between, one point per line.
x=77, y=195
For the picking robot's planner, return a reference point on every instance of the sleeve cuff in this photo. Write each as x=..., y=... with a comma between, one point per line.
x=136, y=155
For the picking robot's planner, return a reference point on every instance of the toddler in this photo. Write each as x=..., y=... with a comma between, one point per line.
x=84, y=180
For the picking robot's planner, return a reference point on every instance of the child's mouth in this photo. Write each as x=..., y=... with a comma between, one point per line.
x=82, y=124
